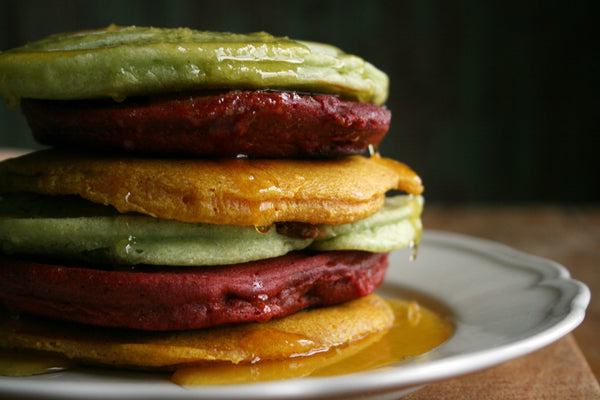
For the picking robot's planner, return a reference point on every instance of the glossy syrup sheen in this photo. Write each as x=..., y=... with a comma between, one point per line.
x=119, y=62
x=27, y=363
x=416, y=330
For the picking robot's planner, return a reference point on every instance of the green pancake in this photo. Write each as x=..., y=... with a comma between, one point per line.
x=119, y=62
x=71, y=228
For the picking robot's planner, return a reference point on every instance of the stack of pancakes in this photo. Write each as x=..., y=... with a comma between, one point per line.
x=203, y=190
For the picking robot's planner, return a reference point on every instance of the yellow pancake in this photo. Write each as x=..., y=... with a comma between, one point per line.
x=238, y=191
x=303, y=333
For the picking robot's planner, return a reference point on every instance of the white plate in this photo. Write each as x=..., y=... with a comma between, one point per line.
x=503, y=303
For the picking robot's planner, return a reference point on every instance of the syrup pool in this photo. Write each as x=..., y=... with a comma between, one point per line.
x=416, y=330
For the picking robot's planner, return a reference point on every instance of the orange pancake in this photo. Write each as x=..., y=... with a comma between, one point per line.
x=239, y=191
x=303, y=333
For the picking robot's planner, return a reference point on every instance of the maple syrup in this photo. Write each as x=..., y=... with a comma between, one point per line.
x=416, y=330
x=27, y=363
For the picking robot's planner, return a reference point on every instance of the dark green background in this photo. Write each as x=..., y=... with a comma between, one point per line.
x=491, y=101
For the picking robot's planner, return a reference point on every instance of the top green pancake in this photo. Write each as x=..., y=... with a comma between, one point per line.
x=119, y=62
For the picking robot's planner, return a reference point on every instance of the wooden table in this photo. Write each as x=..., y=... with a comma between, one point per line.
x=568, y=368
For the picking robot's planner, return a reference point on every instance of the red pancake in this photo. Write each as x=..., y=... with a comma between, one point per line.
x=252, y=123
x=190, y=298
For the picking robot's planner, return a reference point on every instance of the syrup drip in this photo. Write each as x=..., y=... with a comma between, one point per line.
x=263, y=228
x=414, y=251
x=373, y=150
